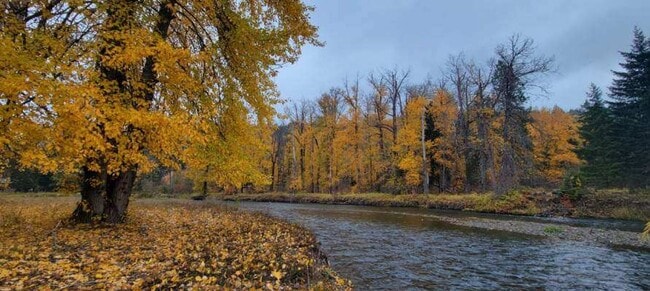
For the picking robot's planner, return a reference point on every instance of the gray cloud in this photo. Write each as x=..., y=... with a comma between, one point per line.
x=361, y=36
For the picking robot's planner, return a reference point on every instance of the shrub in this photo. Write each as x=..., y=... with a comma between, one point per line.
x=573, y=186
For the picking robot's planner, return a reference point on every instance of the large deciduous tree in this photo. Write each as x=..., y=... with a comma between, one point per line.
x=516, y=72
x=111, y=89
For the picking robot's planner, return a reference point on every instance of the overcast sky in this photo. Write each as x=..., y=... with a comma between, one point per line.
x=362, y=36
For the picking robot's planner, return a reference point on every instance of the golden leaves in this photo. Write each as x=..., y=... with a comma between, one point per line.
x=408, y=144
x=554, y=134
x=164, y=244
x=111, y=88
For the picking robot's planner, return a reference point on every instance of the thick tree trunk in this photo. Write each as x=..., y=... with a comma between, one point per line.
x=272, y=186
x=104, y=198
x=118, y=191
x=485, y=150
x=91, y=206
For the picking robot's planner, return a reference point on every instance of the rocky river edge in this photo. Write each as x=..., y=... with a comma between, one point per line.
x=616, y=238
x=609, y=237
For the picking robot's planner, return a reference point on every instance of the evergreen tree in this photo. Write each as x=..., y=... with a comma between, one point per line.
x=630, y=107
x=598, y=151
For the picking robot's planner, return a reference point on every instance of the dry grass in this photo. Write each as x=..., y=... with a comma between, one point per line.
x=619, y=204
x=511, y=203
x=164, y=245
x=616, y=203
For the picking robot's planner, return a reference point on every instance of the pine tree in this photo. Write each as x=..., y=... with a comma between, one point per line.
x=598, y=151
x=630, y=107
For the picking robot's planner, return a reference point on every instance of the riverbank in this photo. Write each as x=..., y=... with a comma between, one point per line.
x=166, y=244
x=601, y=204
x=548, y=229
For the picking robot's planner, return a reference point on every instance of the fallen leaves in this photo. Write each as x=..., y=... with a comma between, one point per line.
x=163, y=245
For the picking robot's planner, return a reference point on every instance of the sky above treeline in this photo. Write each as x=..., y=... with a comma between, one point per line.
x=363, y=36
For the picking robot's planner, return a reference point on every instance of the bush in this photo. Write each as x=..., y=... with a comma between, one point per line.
x=573, y=186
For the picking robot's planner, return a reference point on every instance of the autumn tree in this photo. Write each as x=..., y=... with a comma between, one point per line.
x=377, y=120
x=111, y=89
x=298, y=113
x=446, y=157
x=555, y=138
x=278, y=145
x=516, y=72
x=411, y=151
x=458, y=75
x=330, y=105
x=483, y=134
x=395, y=82
x=352, y=134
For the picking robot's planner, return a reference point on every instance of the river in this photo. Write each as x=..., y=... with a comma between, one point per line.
x=408, y=249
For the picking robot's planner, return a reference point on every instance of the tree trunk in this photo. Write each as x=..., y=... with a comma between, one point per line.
x=425, y=172
x=104, y=198
x=273, y=162
x=118, y=191
x=484, y=152
x=507, y=175
x=91, y=206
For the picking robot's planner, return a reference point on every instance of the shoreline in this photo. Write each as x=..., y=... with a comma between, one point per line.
x=532, y=204
x=549, y=230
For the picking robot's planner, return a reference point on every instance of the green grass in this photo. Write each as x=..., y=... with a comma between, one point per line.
x=553, y=229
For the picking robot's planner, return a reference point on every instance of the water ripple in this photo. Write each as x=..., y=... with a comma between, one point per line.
x=383, y=250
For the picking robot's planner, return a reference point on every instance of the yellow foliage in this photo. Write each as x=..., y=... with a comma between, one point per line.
x=554, y=134
x=409, y=141
x=164, y=245
x=148, y=84
x=445, y=152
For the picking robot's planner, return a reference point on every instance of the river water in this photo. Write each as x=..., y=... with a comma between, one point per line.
x=407, y=249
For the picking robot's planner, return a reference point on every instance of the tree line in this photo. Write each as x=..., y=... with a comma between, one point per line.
x=469, y=131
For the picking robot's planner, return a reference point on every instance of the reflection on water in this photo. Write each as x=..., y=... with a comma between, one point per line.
x=380, y=248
